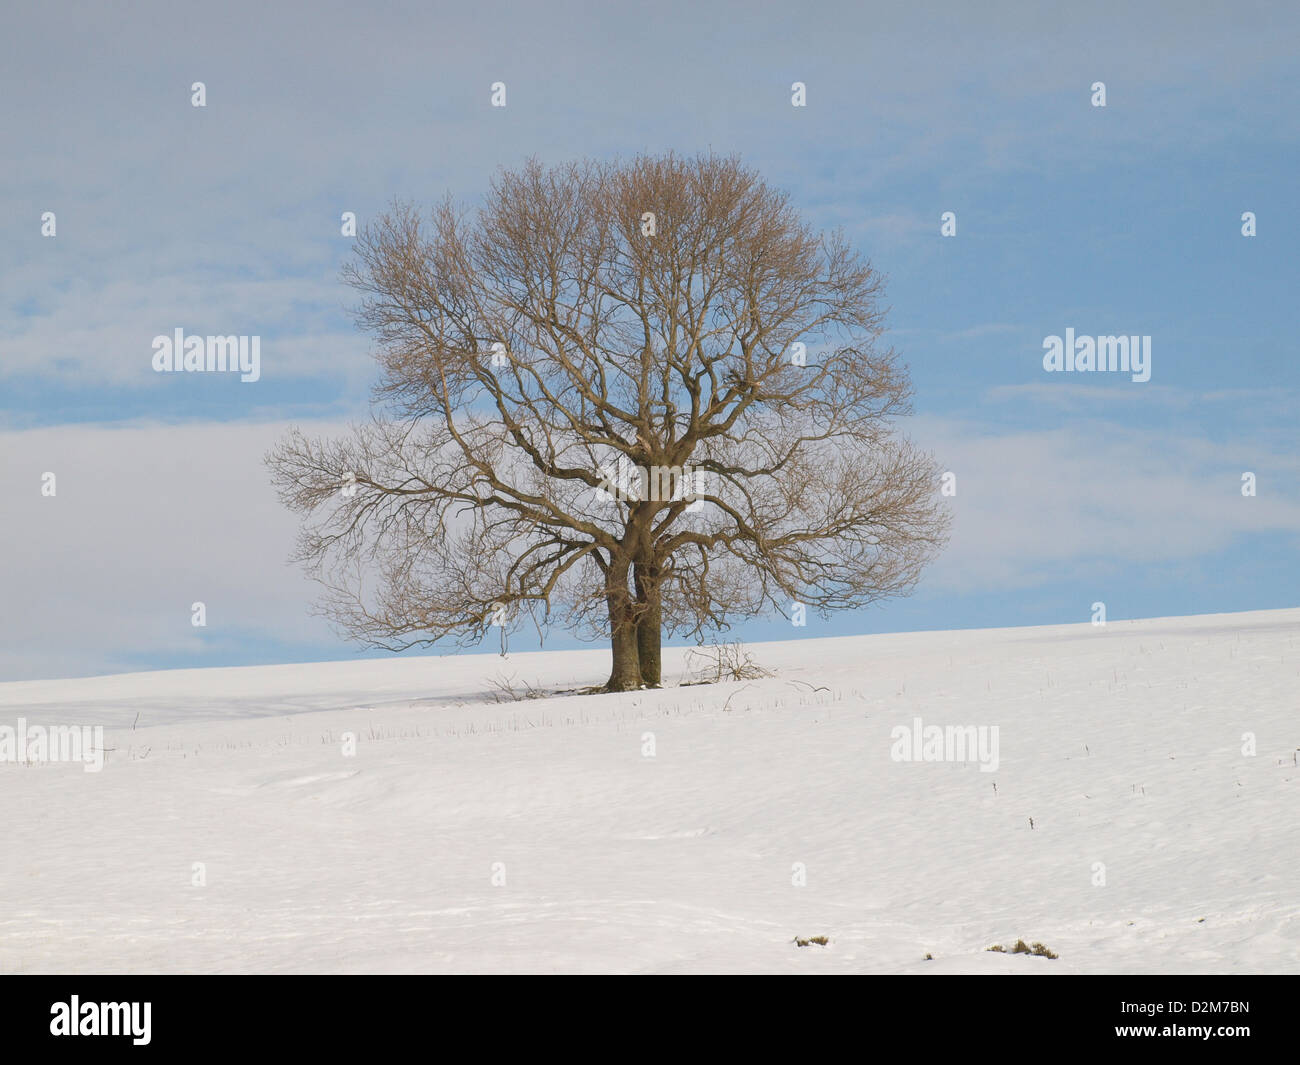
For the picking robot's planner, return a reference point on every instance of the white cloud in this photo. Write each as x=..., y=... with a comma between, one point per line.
x=147, y=520
x=1030, y=504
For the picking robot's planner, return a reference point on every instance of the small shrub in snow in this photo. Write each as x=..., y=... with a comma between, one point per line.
x=507, y=690
x=1021, y=947
x=715, y=663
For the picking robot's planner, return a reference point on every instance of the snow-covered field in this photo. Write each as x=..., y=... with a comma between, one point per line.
x=1122, y=744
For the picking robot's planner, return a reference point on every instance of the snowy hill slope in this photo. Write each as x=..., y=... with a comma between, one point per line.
x=1123, y=744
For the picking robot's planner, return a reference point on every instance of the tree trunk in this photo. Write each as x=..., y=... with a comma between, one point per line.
x=649, y=622
x=625, y=674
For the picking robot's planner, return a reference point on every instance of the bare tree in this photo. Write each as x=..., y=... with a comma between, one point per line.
x=626, y=398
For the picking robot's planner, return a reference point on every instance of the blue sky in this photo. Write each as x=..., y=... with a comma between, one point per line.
x=1072, y=488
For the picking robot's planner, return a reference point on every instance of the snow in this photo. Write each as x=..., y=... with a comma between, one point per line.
x=1122, y=743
